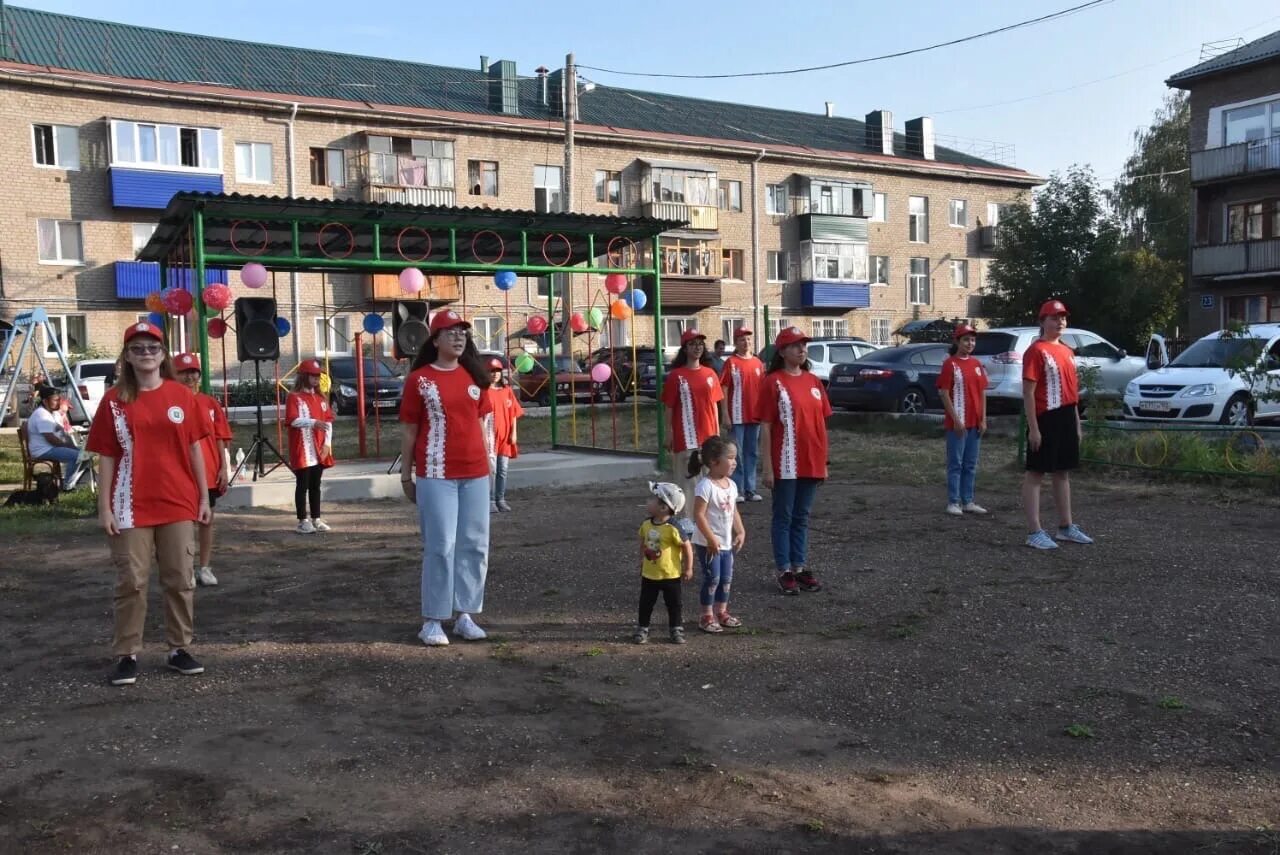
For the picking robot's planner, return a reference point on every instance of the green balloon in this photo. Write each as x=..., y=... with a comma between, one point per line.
x=595, y=317
x=524, y=363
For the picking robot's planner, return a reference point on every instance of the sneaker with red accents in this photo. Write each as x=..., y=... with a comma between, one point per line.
x=787, y=583
x=808, y=582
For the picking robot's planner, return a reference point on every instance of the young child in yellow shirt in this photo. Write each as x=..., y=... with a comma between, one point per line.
x=666, y=559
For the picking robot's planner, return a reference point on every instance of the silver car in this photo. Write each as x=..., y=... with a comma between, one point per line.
x=1000, y=350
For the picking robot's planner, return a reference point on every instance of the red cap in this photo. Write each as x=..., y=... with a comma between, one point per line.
x=448, y=319
x=690, y=335
x=186, y=362
x=495, y=364
x=741, y=331
x=1053, y=307
x=310, y=366
x=142, y=328
x=963, y=330
x=789, y=335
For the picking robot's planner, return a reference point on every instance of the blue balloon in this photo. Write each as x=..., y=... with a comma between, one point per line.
x=373, y=323
x=505, y=279
x=636, y=299
x=157, y=319
x=282, y=326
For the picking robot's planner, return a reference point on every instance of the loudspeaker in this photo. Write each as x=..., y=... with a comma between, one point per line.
x=409, y=330
x=256, y=334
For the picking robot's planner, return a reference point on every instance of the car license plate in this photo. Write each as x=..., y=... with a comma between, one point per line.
x=1155, y=406
x=388, y=403
x=844, y=378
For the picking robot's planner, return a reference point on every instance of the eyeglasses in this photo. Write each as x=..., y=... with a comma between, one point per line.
x=455, y=332
x=145, y=349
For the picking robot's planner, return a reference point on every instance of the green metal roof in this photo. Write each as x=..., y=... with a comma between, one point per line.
x=1265, y=49
x=121, y=50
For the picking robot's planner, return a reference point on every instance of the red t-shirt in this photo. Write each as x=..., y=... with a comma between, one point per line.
x=306, y=445
x=1052, y=366
x=500, y=424
x=448, y=407
x=795, y=407
x=150, y=438
x=966, y=381
x=742, y=379
x=221, y=433
x=691, y=394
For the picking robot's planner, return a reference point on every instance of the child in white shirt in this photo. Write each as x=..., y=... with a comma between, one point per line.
x=718, y=529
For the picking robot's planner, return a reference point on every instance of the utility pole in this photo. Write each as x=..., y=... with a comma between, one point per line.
x=570, y=101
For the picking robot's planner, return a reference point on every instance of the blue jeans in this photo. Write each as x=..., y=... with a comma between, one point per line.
x=792, y=501
x=717, y=575
x=498, y=480
x=962, y=465
x=69, y=458
x=453, y=516
x=747, y=438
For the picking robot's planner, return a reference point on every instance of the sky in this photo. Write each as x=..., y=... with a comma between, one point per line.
x=1068, y=91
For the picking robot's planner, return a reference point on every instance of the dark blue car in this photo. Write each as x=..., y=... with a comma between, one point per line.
x=897, y=379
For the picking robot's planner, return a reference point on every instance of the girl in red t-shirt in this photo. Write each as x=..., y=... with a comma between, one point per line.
x=443, y=441
x=147, y=433
x=216, y=460
x=500, y=435
x=962, y=385
x=793, y=414
x=310, y=420
x=691, y=392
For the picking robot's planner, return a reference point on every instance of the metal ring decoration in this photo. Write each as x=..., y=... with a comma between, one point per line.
x=351, y=240
x=1250, y=459
x=1161, y=450
x=619, y=255
x=244, y=251
x=568, y=255
x=400, y=239
x=502, y=247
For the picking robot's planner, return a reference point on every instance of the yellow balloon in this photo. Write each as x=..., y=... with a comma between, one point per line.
x=325, y=384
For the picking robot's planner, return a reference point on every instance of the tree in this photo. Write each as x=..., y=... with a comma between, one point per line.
x=1152, y=197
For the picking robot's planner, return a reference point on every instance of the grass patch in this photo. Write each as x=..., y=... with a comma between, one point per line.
x=595, y=651
x=1171, y=702
x=844, y=630
x=1182, y=454
x=911, y=454
x=78, y=510
x=10, y=459
x=1078, y=731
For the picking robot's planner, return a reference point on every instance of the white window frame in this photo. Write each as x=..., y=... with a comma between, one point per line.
x=554, y=191
x=66, y=147
x=882, y=324
x=777, y=325
x=254, y=148
x=1216, y=133
x=135, y=229
x=210, y=157
x=540, y=285
x=917, y=281
x=60, y=260
x=880, y=208
x=336, y=343
x=681, y=323
x=873, y=268
x=329, y=159
x=960, y=206
x=830, y=328
x=616, y=333
x=726, y=253
x=772, y=194
x=727, y=326
x=479, y=164
x=725, y=196
x=59, y=323
x=959, y=273
x=918, y=221
x=608, y=183
x=776, y=265
x=850, y=258
x=491, y=337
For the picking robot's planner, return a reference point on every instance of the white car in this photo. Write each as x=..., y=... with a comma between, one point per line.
x=1000, y=352
x=92, y=378
x=1225, y=378
x=824, y=353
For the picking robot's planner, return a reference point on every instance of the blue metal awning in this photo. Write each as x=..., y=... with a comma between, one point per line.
x=136, y=279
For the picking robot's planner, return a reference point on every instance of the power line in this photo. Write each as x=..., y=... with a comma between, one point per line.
x=1027, y=23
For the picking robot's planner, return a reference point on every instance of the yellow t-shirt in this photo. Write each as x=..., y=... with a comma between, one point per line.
x=666, y=540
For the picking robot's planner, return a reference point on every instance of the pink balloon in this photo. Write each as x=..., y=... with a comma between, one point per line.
x=601, y=372
x=537, y=325
x=412, y=280
x=253, y=275
x=216, y=297
x=615, y=283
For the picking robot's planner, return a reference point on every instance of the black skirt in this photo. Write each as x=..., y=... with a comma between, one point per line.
x=1059, y=441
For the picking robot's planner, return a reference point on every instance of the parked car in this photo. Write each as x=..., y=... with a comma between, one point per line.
x=572, y=380
x=634, y=370
x=1000, y=351
x=825, y=353
x=1227, y=378
x=383, y=387
x=899, y=379
x=92, y=378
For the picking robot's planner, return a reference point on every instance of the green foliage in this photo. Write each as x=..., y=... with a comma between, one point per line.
x=1171, y=702
x=1152, y=197
x=248, y=392
x=1078, y=731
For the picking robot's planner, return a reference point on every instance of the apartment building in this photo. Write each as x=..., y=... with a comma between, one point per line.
x=841, y=226
x=1235, y=186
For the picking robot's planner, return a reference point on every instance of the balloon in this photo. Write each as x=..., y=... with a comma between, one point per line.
x=601, y=372
x=524, y=363
x=282, y=326
x=537, y=325
x=217, y=328
x=505, y=279
x=253, y=275
x=595, y=317
x=577, y=323
x=373, y=323
x=177, y=302
x=156, y=319
x=216, y=296
x=619, y=311
x=636, y=299
x=412, y=280
x=615, y=283
x=154, y=302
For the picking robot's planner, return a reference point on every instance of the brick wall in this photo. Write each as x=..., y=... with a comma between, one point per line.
x=1258, y=81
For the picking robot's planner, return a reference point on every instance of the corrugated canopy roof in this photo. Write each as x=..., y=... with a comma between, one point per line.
x=1264, y=49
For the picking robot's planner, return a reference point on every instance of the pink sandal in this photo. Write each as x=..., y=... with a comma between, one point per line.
x=726, y=619
x=708, y=624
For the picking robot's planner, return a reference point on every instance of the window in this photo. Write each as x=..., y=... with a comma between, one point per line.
x=1089, y=345
x=152, y=146
x=608, y=187
x=834, y=328
x=60, y=242
x=482, y=177
x=960, y=273
x=691, y=257
x=777, y=325
x=880, y=270
x=71, y=331
x=731, y=195
x=683, y=186
x=996, y=212
x=958, y=213
x=1252, y=123
x=406, y=162
x=879, y=211
x=880, y=331
x=838, y=261
x=141, y=234
x=918, y=282
x=836, y=197
x=727, y=326
x=673, y=328
x=918, y=219
x=486, y=332
x=1253, y=220
x=548, y=192
x=253, y=162
x=775, y=202
x=615, y=334
x=57, y=145
x=336, y=340
x=731, y=264
x=546, y=287
x=1253, y=310
x=776, y=266
x=328, y=167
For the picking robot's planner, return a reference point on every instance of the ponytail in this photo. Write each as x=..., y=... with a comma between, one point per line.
x=712, y=450
x=695, y=463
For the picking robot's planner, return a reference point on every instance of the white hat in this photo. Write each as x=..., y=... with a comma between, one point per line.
x=671, y=495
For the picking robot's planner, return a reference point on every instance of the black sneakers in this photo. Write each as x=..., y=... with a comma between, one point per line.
x=184, y=663
x=125, y=673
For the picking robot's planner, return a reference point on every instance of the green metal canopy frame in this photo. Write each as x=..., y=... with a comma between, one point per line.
x=213, y=230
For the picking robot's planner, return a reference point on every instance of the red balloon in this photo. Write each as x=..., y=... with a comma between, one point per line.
x=577, y=323
x=537, y=325
x=216, y=296
x=217, y=328
x=615, y=283
x=177, y=301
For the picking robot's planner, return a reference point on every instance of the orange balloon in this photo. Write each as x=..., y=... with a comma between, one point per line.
x=620, y=310
x=154, y=303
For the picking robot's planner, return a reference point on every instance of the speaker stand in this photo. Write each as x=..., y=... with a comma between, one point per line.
x=260, y=444
x=394, y=463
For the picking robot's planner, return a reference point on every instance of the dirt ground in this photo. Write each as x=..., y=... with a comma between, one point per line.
x=918, y=704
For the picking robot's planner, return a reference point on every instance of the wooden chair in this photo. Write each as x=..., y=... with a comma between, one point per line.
x=29, y=465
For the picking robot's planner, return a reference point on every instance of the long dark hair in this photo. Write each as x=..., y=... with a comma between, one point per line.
x=302, y=383
x=777, y=363
x=682, y=356
x=470, y=360
x=714, y=449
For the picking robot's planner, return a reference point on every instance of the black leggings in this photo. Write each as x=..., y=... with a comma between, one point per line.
x=649, y=590
x=308, y=487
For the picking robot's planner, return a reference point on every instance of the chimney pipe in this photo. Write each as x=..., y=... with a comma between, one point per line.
x=920, y=137
x=880, y=131
x=484, y=64
x=541, y=71
x=831, y=108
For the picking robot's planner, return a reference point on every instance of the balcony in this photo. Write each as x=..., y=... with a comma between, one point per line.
x=1232, y=259
x=701, y=217
x=136, y=279
x=683, y=294
x=403, y=179
x=988, y=237
x=153, y=188
x=1229, y=161
x=835, y=295
x=831, y=227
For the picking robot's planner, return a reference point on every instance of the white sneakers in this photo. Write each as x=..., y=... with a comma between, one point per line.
x=432, y=633
x=204, y=576
x=313, y=526
x=321, y=525
x=956, y=510
x=466, y=627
